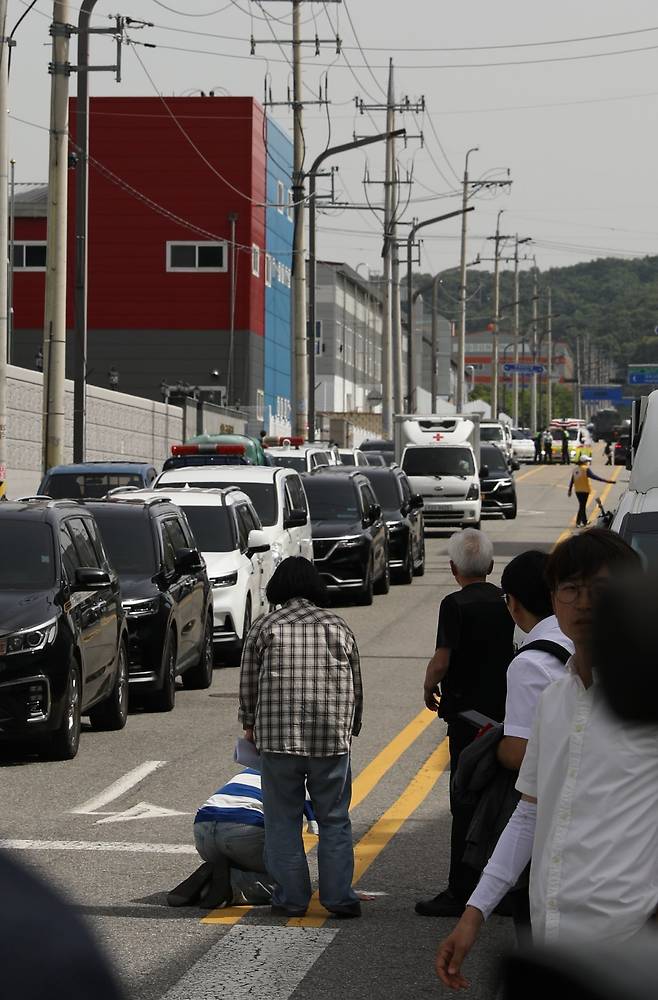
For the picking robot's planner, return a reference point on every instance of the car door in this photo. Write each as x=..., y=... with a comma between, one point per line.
x=261, y=561
x=376, y=530
x=200, y=586
x=252, y=565
x=414, y=516
x=83, y=608
x=108, y=597
x=301, y=537
x=182, y=590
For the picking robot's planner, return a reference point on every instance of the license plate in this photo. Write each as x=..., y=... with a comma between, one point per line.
x=439, y=506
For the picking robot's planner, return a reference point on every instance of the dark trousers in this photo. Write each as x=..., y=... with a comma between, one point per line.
x=462, y=879
x=566, y=459
x=581, y=516
x=537, y=454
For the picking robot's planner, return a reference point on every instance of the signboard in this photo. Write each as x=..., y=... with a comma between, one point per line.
x=601, y=393
x=643, y=374
x=524, y=368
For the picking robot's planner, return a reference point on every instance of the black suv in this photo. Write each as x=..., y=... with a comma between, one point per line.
x=403, y=513
x=63, y=639
x=166, y=595
x=350, y=537
x=496, y=483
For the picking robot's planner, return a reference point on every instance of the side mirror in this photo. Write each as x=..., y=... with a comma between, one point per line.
x=187, y=560
x=416, y=502
x=515, y=465
x=91, y=578
x=374, y=512
x=257, y=542
x=484, y=471
x=295, y=518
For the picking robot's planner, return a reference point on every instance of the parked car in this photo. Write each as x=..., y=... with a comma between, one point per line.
x=350, y=537
x=252, y=447
x=276, y=493
x=383, y=446
x=352, y=456
x=295, y=453
x=496, y=483
x=377, y=459
x=63, y=637
x=621, y=449
x=166, y=594
x=183, y=455
x=94, y=479
x=523, y=447
x=228, y=533
x=445, y=475
x=403, y=512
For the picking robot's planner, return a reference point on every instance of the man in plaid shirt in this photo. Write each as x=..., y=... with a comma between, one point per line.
x=301, y=701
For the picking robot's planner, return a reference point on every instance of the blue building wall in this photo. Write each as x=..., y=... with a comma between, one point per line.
x=278, y=246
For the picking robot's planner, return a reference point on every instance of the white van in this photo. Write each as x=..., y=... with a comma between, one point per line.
x=636, y=518
x=447, y=478
x=495, y=432
x=276, y=493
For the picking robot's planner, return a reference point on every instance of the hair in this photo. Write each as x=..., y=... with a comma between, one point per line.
x=524, y=579
x=296, y=577
x=583, y=555
x=471, y=552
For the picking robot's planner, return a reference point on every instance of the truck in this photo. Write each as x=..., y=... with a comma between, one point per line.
x=440, y=455
x=636, y=517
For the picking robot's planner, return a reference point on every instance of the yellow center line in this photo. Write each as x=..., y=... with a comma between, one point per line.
x=531, y=472
x=382, y=832
x=591, y=500
x=362, y=785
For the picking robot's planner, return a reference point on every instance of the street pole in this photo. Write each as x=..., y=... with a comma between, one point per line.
x=494, y=339
x=461, y=338
x=299, y=256
x=10, y=272
x=577, y=402
x=388, y=250
x=233, y=256
x=517, y=304
x=549, y=383
x=4, y=240
x=396, y=310
x=435, y=341
x=533, y=377
x=312, y=257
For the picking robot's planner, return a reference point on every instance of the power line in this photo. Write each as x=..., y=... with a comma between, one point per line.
x=189, y=13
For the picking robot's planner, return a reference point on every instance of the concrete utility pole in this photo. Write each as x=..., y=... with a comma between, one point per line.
x=461, y=336
x=396, y=307
x=4, y=238
x=54, y=332
x=549, y=368
x=533, y=377
x=388, y=253
x=300, y=367
x=496, y=320
x=434, y=386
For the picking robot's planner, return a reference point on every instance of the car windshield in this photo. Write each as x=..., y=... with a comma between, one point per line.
x=438, y=461
x=297, y=462
x=212, y=528
x=347, y=459
x=93, y=485
x=263, y=497
x=387, y=491
x=491, y=433
x=494, y=460
x=519, y=435
x=28, y=561
x=333, y=500
x=128, y=542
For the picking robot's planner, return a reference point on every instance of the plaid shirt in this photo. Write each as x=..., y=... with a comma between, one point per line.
x=300, y=682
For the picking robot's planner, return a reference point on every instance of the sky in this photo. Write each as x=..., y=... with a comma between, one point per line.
x=574, y=121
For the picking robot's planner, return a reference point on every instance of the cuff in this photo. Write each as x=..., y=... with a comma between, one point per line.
x=488, y=894
x=518, y=731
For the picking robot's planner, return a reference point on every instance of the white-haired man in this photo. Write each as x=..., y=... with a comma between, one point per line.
x=473, y=651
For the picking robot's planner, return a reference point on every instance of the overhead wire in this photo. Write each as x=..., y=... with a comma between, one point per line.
x=191, y=13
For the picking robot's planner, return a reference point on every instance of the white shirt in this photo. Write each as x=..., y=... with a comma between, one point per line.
x=594, y=867
x=529, y=673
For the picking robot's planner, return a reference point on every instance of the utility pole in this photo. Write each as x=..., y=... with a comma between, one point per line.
x=54, y=333
x=549, y=368
x=435, y=341
x=496, y=320
x=533, y=377
x=4, y=239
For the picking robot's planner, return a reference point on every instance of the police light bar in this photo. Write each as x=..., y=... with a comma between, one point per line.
x=208, y=449
x=293, y=442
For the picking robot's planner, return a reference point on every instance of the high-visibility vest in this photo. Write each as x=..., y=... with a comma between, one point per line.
x=581, y=481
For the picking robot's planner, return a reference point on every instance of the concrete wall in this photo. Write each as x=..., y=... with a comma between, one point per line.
x=118, y=427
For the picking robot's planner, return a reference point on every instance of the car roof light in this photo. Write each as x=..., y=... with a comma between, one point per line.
x=291, y=442
x=208, y=449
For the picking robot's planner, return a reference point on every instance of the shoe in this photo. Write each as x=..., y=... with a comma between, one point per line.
x=189, y=891
x=285, y=911
x=347, y=912
x=445, y=904
x=217, y=892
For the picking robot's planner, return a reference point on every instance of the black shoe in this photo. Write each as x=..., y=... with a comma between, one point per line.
x=444, y=905
x=285, y=911
x=347, y=912
x=217, y=892
x=188, y=892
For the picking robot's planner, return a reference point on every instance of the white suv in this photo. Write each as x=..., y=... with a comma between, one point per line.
x=276, y=493
x=235, y=548
x=300, y=456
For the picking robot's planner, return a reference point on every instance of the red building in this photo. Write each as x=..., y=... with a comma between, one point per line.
x=164, y=180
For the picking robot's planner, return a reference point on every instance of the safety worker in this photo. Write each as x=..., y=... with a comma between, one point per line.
x=580, y=482
x=566, y=459
x=538, y=439
x=548, y=447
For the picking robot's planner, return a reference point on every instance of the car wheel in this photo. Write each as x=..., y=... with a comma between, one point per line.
x=510, y=515
x=199, y=677
x=384, y=583
x=236, y=654
x=65, y=741
x=112, y=713
x=164, y=700
x=406, y=574
x=419, y=570
x=366, y=594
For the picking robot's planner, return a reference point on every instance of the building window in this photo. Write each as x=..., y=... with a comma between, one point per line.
x=188, y=256
x=255, y=260
x=291, y=204
x=269, y=263
x=260, y=404
x=280, y=197
x=30, y=256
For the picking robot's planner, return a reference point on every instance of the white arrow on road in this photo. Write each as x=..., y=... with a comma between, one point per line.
x=143, y=810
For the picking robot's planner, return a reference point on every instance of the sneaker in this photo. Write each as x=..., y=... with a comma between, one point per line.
x=444, y=905
x=286, y=911
x=188, y=892
x=217, y=892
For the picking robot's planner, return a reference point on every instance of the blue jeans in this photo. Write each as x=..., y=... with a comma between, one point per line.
x=329, y=781
x=238, y=847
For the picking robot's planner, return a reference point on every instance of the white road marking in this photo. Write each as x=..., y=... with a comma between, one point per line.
x=253, y=962
x=111, y=847
x=119, y=787
x=143, y=810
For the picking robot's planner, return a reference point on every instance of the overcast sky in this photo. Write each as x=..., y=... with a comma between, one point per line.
x=578, y=135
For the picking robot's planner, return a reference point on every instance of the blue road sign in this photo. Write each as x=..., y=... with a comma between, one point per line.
x=601, y=393
x=524, y=368
x=643, y=374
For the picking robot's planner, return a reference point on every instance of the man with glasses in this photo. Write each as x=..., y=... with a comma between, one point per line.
x=588, y=815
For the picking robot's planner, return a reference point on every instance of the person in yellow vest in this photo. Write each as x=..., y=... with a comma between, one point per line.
x=580, y=483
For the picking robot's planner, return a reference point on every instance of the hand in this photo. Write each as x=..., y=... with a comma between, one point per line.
x=249, y=734
x=432, y=699
x=453, y=950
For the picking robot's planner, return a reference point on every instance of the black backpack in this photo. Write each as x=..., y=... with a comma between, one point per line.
x=547, y=646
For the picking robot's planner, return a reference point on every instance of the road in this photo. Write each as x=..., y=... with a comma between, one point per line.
x=112, y=830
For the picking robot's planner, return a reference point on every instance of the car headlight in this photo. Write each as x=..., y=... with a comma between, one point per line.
x=473, y=492
x=349, y=542
x=139, y=609
x=29, y=640
x=229, y=580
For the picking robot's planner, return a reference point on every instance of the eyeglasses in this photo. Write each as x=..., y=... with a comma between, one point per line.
x=568, y=593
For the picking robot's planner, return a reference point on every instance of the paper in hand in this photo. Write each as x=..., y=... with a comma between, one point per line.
x=246, y=754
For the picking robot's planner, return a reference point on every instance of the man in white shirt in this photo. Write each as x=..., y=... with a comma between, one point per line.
x=589, y=809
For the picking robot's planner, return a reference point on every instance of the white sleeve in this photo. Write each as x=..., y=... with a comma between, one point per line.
x=524, y=685
x=509, y=859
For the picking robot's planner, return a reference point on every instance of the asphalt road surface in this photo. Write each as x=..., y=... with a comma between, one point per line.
x=112, y=829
